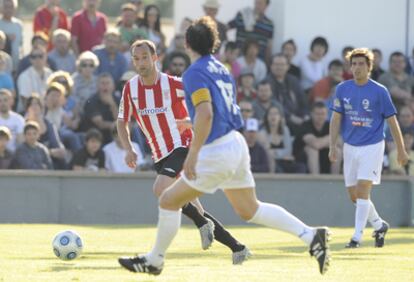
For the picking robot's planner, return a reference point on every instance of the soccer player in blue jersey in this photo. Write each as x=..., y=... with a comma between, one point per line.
x=218, y=158
x=360, y=108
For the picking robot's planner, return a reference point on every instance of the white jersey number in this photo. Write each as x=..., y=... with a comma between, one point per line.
x=226, y=89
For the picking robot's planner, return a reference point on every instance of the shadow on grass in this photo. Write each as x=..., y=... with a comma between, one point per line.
x=71, y=267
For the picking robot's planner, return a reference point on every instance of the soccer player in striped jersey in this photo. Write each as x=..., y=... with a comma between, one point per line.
x=156, y=101
x=218, y=158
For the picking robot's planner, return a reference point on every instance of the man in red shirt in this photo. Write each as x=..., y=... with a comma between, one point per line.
x=50, y=17
x=88, y=27
x=156, y=100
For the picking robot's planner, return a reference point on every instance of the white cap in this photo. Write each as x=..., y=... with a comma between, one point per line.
x=211, y=4
x=252, y=124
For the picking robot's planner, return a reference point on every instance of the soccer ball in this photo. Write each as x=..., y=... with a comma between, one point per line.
x=67, y=245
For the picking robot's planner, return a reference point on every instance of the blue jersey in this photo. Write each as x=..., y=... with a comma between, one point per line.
x=364, y=109
x=207, y=73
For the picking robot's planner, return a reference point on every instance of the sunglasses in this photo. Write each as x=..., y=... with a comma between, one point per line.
x=246, y=110
x=84, y=65
x=36, y=56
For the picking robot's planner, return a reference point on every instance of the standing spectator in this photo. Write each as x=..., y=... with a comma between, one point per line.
x=110, y=58
x=347, y=73
x=6, y=80
x=128, y=28
x=13, y=121
x=85, y=82
x=395, y=167
x=259, y=159
x=252, y=24
x=90, y=157
x=288, y=92
x=211, y=8
x=178, y=62
x=49, y=17
x=311, y=145
x=139, y=7
x=8, y=59
x=13, y=28
x=101, y=111
x=246, y=89
x=32, y=154
x=229, y=59
x=377, y=71
x=250, y=60
x=115, y=154
x=324, y=89
x=34, y=79
x=61, y=54
x=289, y=49
x=313, y=66
x=88, y=27
x=398, y=82
x=152, y=25
x=264, y=100
x=5, y=155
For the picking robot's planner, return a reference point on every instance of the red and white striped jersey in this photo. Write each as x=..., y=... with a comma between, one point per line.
x=157, y=108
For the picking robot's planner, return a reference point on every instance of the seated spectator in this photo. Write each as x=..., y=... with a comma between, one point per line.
x=39, y=40
x=346, y=74
x=90, y=157
x=115, y=155
x=128, y=28
x=229, y=59
x=324, y=89
x=177, y=63
x=12, y=120
x=110, y=58
x=101, y=111
x=177, y=44
x=8, y=68
x=406, y=122
x=408, y=169
x=34, y=79
x=32, y=154
x=311, y=145
x=276, y=139
x=398, y=82
x=151, y=24
x=259, y=159
x=6, y=80
x=85, y=83
x=377, y=71
x=264, y=100
x=61, y=54
x=246, y=109
x=287, y=92
x=5, y=155
x=289, y=49
x=313, y=66
x=246, y=89
x=211, y=9
x=250, y=60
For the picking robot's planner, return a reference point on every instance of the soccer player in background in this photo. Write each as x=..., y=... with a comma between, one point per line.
x=217, y=158
x=360, y=108
x=156, y=100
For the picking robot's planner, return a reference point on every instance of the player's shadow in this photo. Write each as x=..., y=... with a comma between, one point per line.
x=71, y=267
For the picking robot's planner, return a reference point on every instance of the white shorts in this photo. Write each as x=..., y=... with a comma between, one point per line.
x=223, y=164
x=363, y=163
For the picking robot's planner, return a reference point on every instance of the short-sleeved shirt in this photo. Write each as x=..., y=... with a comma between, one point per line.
x=208, y=75
x=115, y=67
x=6, y=81
x=89, y=34
x=364, y=109
x=15, y=123
x=84, y=159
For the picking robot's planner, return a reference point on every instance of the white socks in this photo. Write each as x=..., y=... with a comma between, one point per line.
x=361, y=217
x=168, y=224
x=373, y=218
x=277, y=217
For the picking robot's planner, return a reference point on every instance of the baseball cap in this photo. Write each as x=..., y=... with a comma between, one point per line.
x=251, y=124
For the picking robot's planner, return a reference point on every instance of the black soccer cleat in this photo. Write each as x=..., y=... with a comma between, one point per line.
x=352, y=244
x=139, y=264
x=319, y=248
x=379, y=235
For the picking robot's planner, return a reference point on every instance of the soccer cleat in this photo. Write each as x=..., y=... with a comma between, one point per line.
x=352, y=244
x=139, y=264
x=319, y=248
x=207, y=234
x=240, y=256
x=379, y=235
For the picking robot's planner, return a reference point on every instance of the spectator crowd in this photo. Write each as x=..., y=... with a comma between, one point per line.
x=59, y=100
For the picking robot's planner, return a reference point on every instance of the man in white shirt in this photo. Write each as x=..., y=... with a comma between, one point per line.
x=13, y=121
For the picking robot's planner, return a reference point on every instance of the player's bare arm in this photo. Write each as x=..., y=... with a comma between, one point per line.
x=402, y=155
x=334, y=127
x=123, y=133
x=202, y=126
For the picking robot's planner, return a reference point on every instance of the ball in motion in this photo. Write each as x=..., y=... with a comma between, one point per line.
x=67, y=245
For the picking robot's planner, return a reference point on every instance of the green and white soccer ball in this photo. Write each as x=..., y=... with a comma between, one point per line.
x=67, y=245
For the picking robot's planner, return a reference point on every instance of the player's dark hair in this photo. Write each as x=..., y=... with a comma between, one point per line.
x=335, y=63
x=202, y=36
x=364, y=53
x=93, y=133
x=142, y=42
x=320, y=41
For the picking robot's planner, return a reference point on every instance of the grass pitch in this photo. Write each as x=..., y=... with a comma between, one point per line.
x=26, y=255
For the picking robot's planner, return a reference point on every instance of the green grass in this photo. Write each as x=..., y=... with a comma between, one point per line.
x=26, y=255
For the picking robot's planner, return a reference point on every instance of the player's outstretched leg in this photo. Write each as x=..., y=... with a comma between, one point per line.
x=379, y=235
x=240, y=251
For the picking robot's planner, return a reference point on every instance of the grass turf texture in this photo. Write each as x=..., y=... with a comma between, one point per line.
x=26, y=255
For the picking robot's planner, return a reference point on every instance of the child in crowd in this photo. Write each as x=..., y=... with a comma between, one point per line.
x=90, y=157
